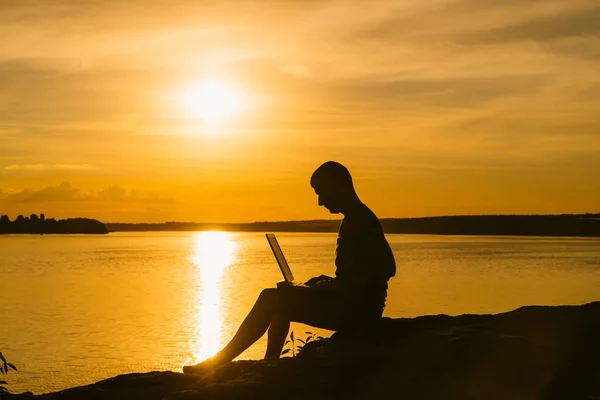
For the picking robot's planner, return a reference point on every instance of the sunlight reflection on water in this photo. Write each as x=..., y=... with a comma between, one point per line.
x=212, y=253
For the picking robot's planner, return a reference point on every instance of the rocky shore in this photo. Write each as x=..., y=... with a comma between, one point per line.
x=530, y=353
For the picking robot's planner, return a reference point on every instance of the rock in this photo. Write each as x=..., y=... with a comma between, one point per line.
x=533, y=352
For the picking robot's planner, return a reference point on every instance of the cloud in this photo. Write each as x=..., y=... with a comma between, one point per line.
x=46, y=167
x=488, y=29
x=8, y=131
x=443, y=92
x=573, y=23
x=518, y=137
x=587, y=48
x=296, y=70
x=483, y=21
x=64, y=192
x=33, y=93
x=591, y=93
x=112, y=193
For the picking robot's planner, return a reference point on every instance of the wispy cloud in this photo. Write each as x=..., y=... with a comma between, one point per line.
x=47, y=167
x=7, y=130
x=564, y=24
x=64, y=192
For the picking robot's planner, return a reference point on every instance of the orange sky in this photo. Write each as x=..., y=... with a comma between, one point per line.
x=436, y=107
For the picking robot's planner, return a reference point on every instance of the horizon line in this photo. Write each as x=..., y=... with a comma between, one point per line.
x=382, y=218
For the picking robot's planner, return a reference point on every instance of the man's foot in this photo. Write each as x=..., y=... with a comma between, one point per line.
x=206, y=367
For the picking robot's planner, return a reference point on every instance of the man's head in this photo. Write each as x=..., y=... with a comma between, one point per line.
x=333, y=185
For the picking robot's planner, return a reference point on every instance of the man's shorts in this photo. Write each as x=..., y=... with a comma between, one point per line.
x=321, y=308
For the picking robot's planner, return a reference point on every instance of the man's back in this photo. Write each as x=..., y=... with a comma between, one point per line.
x=364, y=260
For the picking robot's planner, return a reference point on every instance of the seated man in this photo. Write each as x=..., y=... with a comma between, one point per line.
x=364, y=264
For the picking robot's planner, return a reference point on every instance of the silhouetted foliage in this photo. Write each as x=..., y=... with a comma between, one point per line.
x=296, y=348
x=4, y=368
x=41, y=225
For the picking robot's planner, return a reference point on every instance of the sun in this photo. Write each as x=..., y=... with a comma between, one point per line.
x=212, y=101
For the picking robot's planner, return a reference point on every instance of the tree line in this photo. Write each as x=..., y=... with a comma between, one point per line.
x=518, y=225
x=35, y=224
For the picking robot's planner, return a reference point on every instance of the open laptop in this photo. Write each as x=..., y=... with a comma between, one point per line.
x=283, y=265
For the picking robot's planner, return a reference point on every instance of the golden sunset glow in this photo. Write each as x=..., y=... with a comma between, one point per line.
x=212, y=101
x=220, y=111
x=213, y=252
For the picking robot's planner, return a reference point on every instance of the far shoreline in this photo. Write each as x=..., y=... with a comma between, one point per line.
x=563, y=225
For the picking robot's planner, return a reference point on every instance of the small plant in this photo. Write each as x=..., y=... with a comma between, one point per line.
x=4, y=365
x=295, y=349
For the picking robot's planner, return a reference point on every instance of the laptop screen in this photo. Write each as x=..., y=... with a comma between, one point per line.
x=283, y=265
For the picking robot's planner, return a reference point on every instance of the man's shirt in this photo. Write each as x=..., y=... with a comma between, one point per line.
x=364, y=260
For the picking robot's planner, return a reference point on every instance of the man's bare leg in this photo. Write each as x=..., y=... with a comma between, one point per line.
x=278, y=331
x=253, y=328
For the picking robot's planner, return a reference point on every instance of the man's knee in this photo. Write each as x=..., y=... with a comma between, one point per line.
x=269, y=297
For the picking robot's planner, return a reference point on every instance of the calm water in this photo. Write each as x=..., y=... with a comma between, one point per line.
x=77, y=309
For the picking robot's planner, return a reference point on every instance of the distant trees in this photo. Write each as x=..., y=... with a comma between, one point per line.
x=4, y=223
x=34, y=224
x=520, y=225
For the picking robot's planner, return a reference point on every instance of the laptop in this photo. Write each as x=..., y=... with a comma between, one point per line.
x=283, y=265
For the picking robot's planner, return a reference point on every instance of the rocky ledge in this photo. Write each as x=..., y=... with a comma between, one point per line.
x=533, y=352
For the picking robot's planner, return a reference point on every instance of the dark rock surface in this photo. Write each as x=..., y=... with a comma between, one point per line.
x=530, y=353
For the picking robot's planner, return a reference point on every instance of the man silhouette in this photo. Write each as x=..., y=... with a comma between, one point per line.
x=356, y=295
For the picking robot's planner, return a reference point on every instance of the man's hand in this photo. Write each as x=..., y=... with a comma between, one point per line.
x=317, y=280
